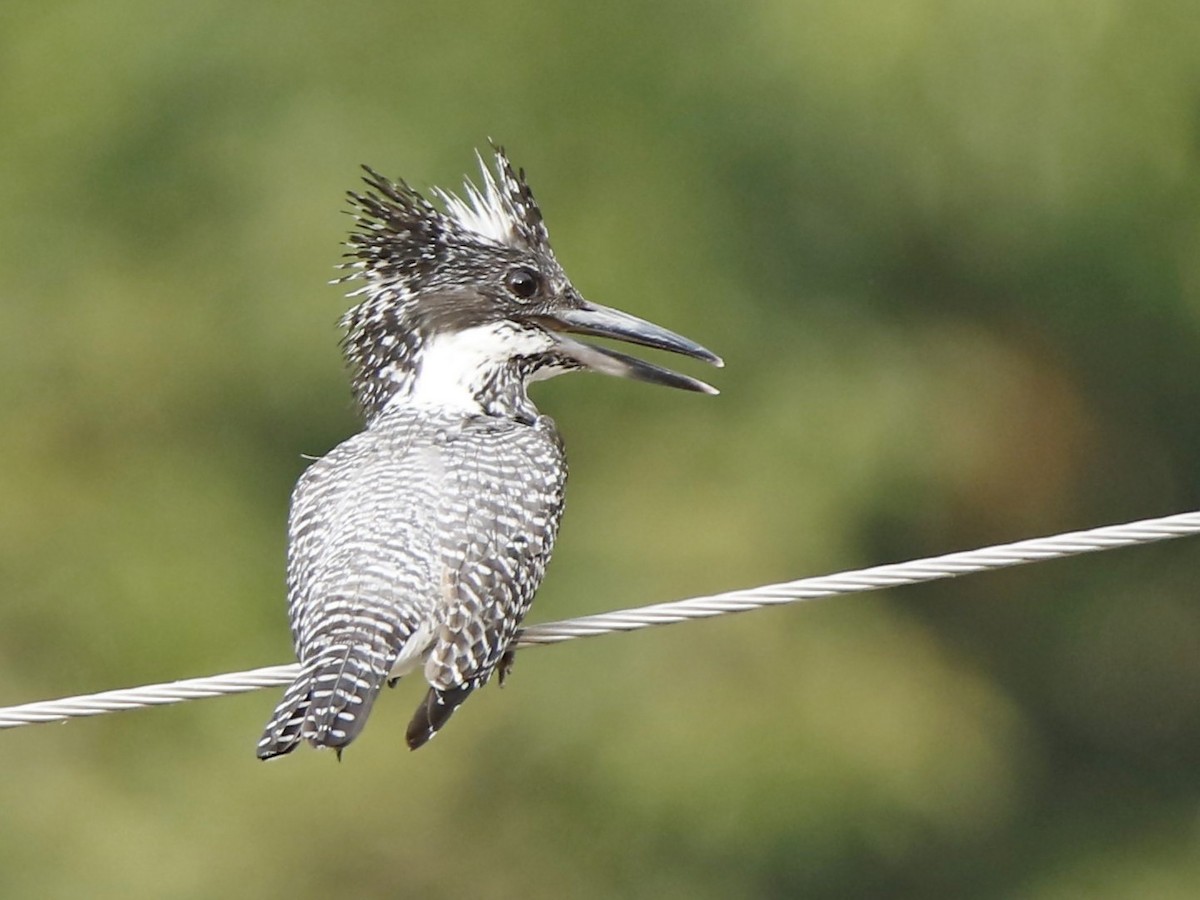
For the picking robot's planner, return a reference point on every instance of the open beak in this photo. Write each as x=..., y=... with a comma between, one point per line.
x=601, y=321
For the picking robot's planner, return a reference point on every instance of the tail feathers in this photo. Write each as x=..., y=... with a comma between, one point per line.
x=434, y=711
x=328, y=704
x=282, y=733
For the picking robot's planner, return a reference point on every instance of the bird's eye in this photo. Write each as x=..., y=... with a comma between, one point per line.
x=523, y=283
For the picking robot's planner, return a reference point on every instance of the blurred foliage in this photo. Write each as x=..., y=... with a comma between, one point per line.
x=951, y=254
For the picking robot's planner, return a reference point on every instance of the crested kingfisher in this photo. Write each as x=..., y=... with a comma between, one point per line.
x=421, y=540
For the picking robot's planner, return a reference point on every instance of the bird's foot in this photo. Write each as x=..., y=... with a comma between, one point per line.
x=504, y=667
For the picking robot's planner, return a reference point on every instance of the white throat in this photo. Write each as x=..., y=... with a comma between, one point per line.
x=455, y=368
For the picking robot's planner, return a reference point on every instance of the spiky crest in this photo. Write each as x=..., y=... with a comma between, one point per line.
x=399, y=235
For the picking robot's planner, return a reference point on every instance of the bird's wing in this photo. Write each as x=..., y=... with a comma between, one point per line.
x=364, y=574
x=505, y=506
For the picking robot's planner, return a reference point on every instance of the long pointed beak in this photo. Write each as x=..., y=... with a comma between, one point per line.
x=602, y=321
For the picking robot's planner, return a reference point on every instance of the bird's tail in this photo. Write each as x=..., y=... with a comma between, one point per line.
x=282, y=733
x=328, y=704
x=431, y=715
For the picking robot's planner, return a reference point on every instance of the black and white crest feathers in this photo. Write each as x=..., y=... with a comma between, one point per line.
x=400, y=236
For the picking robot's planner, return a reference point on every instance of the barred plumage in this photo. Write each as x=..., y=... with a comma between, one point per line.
x=421, y=541
x=423, y=534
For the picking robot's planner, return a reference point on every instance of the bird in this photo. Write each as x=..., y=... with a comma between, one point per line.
x=420, y=541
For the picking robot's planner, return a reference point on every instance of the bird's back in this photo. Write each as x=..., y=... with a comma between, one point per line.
x=422, y=538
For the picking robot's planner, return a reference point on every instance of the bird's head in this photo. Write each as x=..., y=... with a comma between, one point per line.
x=463, y=306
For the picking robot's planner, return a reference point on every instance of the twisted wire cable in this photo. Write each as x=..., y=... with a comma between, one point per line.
x=950, y=565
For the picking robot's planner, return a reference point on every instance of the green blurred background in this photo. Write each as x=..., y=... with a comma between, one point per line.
x=950, y=252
